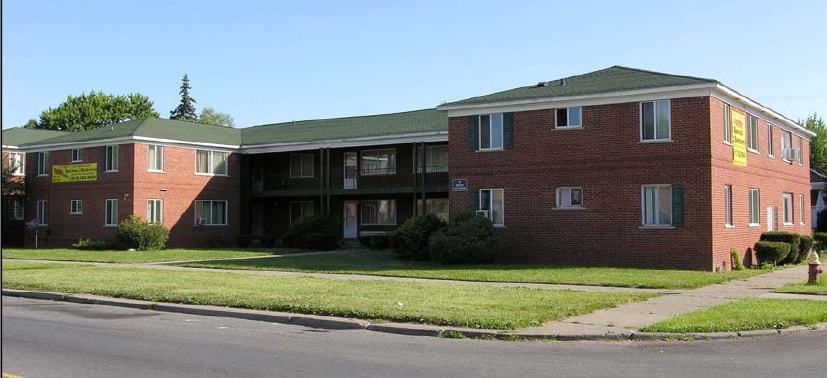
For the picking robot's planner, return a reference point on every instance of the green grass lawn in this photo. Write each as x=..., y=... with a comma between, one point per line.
x=819, y=288
x=475, y=306
x=384, y=263
x=125, y=256
x=745, y=315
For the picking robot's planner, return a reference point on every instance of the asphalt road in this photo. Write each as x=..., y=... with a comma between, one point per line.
x=55, y=339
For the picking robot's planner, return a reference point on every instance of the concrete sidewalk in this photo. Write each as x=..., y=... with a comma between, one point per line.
x=620, y=323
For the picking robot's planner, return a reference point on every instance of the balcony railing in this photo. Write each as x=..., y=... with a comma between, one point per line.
x=378, y=171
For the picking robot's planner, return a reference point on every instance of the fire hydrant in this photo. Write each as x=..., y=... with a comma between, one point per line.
x=814, y=271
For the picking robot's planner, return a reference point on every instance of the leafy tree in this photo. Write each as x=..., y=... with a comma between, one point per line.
x=31, y=124
x=94, y=110
x=211, y=117
x=818, y=145
x=185, y=111
x=12, y=187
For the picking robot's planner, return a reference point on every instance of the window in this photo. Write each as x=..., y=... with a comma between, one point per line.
x=752, y=133
x=655, y=121
x=155, y=160
x=155, y=211
x=210, y=162
x=379, y=212
x=436, y=158
x=754, y=206
x=77, y=155
x=17, y=162
x=301, y=165
x=110, y=158
x=493, y=201
x=801, y=208
x=17, y=205
x=769, y=140
x=75, y=207
x=728, y=205
x=111, y=215
x=800, y=151
x=786, y=144
x=727, y=127
x=379, y=162
x=568, y=117
x=300, y=210
x=42, y=163
x=211, y=213
x=570, y=198
x=436, y=206
x=788, y=208
x=491, y=131
x=657, y=205
x=43, y=213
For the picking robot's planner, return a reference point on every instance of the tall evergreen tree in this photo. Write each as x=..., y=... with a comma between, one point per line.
x=818, y=144
x=185, y=111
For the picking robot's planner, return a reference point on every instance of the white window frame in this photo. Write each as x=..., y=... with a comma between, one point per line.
x=155, y=158
x=495, y=207
x=389, y=154
x=110, y=217
x=377, y=205
x=489, y=122
x=304, y=209
x=727, y=124
x=210, y=168
x=568, y=112
x=801, y=209
x=800, y=150
x=728, y=206
x=43, y=163
x=786, y=144
x=754, y=207
x=155, y=210
x=75, y=207
x=199, y=205
x=77, y=155
x=42, y=209
x=300, y=173
x=653, y=213
x=770, y=145
x=787, y=208
x=17, y=160
x=567, y=197
x=440, y=207
x=18, y=208
x=111, y=158
x=753, y=141
x=656, y=106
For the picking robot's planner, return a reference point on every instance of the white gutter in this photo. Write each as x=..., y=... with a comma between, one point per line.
x=426, y=137
x=747, y=101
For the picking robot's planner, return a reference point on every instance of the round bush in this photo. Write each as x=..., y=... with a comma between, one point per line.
x=466, y=239
x=769, y=252
x=411, y=238
x=143, y=236
x=786, y=237
x=318, y=232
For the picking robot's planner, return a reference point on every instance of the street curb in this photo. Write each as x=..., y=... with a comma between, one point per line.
x=327, y=322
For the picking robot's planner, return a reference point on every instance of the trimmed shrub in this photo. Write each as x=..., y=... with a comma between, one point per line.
x=375, y=241
x=466, y=239
x=736, y=260
x=785, y=237
x=804, y=248
x=820, y=239
x=770, y=252
x=411, y=238
x=143, y=236
x=318, y=232
x=91, y=244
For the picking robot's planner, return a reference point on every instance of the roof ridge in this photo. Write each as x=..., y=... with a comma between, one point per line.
x=662, y=73
x=339, y=118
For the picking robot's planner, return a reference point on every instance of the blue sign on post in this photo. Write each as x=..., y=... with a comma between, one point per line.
x=460, y=185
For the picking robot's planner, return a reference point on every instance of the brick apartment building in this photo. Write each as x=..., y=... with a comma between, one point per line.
x=619, y=167
x=627, y=167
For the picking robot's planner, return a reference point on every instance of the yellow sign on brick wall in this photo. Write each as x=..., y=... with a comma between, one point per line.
x=739, y=140
x=75, y=172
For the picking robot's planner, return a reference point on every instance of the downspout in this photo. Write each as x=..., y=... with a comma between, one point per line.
x=327, y=177
x=321, y=180
x=415, y=179
x=424, y=178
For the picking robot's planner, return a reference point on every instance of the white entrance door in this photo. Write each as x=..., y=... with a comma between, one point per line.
x=770, y=218
x=350, y=227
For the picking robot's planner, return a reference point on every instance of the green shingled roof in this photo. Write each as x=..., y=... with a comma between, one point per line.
x=153, y=128
x=18, y=136
x=416, y=121
x=612, y=79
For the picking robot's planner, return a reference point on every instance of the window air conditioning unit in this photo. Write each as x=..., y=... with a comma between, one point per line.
x=201, y=221
x=484, y=213
x=795, y=154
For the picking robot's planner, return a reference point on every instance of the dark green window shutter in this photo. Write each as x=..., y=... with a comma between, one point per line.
x=508, y=131
x=474, y=200
x=102, y=164
x=677, y=206
x=473, y=132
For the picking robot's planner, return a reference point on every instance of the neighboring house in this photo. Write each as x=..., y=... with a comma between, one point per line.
x=818, y=190
x=626, y=167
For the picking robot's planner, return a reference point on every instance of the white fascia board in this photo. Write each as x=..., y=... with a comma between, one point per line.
x=193, y=145
x=84, y=144
x=732, y=96
x=127, y=140
x=430, y=137
x=586, y=100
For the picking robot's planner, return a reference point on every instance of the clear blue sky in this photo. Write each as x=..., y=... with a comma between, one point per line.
x=275, y=61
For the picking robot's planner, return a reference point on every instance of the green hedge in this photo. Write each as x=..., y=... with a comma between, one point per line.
x=318, y=232
x=466, y=239
x=804, y=248
x=794, y=240
x=411, y=238
x=770, y=252
x=143, y=236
